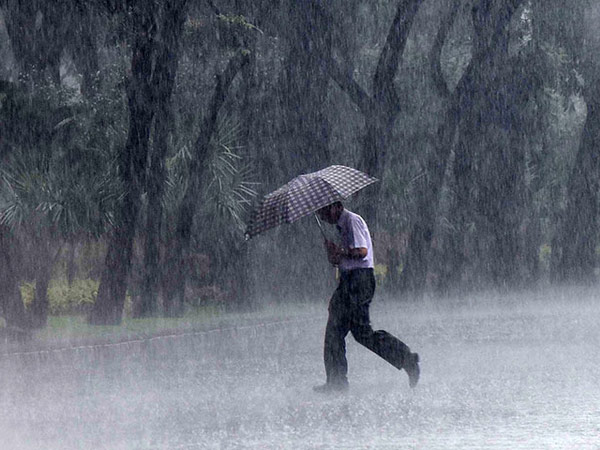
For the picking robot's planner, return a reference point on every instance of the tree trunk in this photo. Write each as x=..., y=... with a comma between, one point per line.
x=83, y=47
x=108, y=307
x=163, y=80
x=488, y=168
x=11, y=302
x=306, y=126
x=394, y=269
x=71, y=268
x=39, y=306
x=379, y=122
x=44, y=266
x=240, y=262
x=238, y=276
x=415, y=267
x=174, y=287
x=37, y=31
x=578, y=234
x=378, y=136
x=502, y=206
x=382, y=108
x=428, y=192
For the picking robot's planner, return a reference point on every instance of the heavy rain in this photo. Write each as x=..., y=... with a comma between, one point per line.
x=211, y=210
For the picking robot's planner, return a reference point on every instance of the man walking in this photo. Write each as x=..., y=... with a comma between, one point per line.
x=349, y=305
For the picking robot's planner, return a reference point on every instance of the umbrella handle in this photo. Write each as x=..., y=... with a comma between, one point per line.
x=320, y=226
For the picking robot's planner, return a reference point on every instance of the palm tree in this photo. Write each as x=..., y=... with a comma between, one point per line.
x=218, y=231
x=57, y=184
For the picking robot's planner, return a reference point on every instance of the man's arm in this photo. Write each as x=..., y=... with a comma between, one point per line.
x=335, y=253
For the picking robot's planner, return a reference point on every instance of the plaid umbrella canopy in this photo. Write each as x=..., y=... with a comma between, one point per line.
x=306, y=194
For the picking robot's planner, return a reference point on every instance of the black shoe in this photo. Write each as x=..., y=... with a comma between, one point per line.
x=412, y=369
x=331, y=388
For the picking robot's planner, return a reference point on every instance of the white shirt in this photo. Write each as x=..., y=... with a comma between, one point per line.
x=355, y=234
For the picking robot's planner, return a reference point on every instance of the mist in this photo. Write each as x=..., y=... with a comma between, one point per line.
x=498, y=371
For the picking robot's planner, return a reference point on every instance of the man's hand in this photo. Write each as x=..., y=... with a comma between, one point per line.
x=334, y=252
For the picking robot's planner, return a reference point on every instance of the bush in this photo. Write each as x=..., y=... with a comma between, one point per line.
x=380, y=273
x=63, y=298
x=545, y=255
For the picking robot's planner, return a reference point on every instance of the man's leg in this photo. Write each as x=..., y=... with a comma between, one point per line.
x=382, y=343
x=334, y=350
x=385, y=345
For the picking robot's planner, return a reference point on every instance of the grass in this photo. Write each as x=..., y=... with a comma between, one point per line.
x=73, y=330
x=75, y=327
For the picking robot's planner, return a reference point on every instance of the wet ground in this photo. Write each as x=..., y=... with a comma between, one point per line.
x=520, y=371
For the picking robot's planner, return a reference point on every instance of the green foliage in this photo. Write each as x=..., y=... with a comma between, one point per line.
x=81, y=260
x=545, y=254
x=27, y=293
x=67, y=299
x=75, y=327
x=234, y=19
x=381, y=271
x=63, y=298
x=61, y=172
x=226, y=198
x=59, y=150
x=230, y=190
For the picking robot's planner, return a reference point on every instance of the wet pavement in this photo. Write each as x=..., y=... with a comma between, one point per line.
x=497, y=372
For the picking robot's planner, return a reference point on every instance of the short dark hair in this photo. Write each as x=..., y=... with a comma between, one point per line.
x=332, y=205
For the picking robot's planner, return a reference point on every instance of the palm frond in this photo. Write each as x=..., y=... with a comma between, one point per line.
x=229, y=188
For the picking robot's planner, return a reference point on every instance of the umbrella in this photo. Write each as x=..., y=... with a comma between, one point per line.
x=306, y=194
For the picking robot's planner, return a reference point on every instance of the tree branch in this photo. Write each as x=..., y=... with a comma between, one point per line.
x=198, y=164
x=214, y=7
x=198, y=167
x=436, y=50
x=383, y=81
x=347, y=84
x=224, y=80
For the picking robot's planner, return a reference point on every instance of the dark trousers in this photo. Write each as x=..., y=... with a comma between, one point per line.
x=349, y=312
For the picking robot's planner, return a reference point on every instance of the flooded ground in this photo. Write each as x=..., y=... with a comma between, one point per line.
x=497, y=372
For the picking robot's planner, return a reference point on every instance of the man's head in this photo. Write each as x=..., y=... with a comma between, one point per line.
x=331, y=213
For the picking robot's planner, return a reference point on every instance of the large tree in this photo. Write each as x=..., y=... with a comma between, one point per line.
x=578, y=233
x=11, y=302
x=488, y=168
x=305, y=87
x=163, y=81
x=466, y=104
x=577, y=237
x=380, y=109
x=149, y=81
x=178, y=259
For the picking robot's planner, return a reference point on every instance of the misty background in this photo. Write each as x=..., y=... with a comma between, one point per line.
x=136, y=137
